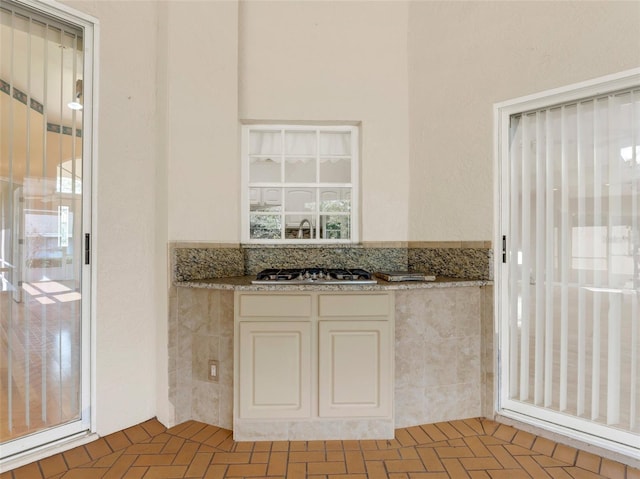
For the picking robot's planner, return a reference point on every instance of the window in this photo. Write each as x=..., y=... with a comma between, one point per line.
x=569, y=282
x=299, y=184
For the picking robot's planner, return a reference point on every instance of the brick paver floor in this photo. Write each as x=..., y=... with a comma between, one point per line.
x=472, y=448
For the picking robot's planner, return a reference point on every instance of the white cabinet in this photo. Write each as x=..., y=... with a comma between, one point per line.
x=355, y=354
x=354, y=369
x=274, y=365
x=275, y=369
x=312, y=361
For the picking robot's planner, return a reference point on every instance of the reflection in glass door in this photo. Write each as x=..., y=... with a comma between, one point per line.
x=43, y=390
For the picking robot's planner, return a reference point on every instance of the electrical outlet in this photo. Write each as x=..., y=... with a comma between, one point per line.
x=214, y=370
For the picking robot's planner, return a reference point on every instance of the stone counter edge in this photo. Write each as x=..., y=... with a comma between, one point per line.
x=243, y=283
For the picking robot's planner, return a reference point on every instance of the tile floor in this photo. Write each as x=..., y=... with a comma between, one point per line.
x=472, y=448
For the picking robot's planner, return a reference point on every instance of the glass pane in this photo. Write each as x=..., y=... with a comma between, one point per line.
x=265, y=143
x=574, y=260
x=335, y=226
x=300, y=199
x=300, y=170
x=264, y=170
x=265, y=199
x=335, y=199
x=335, y=170
x=264, y=226
x=296, y=171
x=41, y=236
x=300, y=142
x=300, y=227
x=335, y=143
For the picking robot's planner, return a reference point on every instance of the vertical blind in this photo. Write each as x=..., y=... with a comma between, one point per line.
x=574, y=259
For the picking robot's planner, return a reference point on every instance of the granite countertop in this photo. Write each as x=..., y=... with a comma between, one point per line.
x=243, y=283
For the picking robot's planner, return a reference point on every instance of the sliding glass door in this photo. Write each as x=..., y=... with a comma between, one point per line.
x=44, y=335
x=570, y=280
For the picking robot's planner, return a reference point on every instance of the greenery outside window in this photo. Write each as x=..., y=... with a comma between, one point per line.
x=299, y=184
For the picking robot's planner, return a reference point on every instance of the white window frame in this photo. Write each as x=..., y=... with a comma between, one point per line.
x=353, y=185
x=555, y=422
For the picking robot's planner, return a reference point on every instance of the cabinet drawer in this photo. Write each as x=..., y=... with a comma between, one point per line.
x=274, y=305
x=352, y=305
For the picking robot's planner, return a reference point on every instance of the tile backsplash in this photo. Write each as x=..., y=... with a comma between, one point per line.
x=452, y=259
x=201, y=262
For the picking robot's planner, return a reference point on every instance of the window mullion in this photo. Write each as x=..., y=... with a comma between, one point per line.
x=283, y=217
x=317, y=187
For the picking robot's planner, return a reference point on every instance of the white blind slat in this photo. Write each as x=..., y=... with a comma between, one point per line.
x=540, y=253
x=514, y=260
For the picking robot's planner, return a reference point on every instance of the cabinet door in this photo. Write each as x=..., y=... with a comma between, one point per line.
x=355, y=366
x=275, y=368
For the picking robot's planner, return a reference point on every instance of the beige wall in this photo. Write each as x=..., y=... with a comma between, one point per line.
x=421, y=77
x=202, y=121
x=337, y=61
x=465, y=56
x=129, y=268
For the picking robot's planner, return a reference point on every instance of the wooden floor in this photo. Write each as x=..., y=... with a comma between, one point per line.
x=473, y=448
x=39, y=358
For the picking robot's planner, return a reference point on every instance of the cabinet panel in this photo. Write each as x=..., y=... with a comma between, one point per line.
x=275, y=368
x=367, y=305
x=276, y=305
x=354, y=369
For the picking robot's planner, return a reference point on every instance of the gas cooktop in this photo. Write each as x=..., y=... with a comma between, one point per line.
x=314, y=276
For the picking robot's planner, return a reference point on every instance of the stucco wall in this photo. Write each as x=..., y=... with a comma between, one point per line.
x=337, y=61
x=464, y=57
x=420, y=76
x=202, y=121
x=127, y=306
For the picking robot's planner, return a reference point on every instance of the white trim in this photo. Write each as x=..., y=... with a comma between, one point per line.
x=548, y=421
x=597, y=86
x=51, y=7
x=42, y=452
x=92, y=101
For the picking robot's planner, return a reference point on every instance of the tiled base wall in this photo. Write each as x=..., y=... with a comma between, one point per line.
x=488, y=356
x=439, y=365
x=438, y=355
x=200, y=329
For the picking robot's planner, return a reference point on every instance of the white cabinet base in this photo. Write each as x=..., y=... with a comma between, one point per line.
x=313, y=429
x=313, y=366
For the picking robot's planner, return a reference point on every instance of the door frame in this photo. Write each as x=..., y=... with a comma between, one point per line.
x=539, y=417
x=63, y=437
